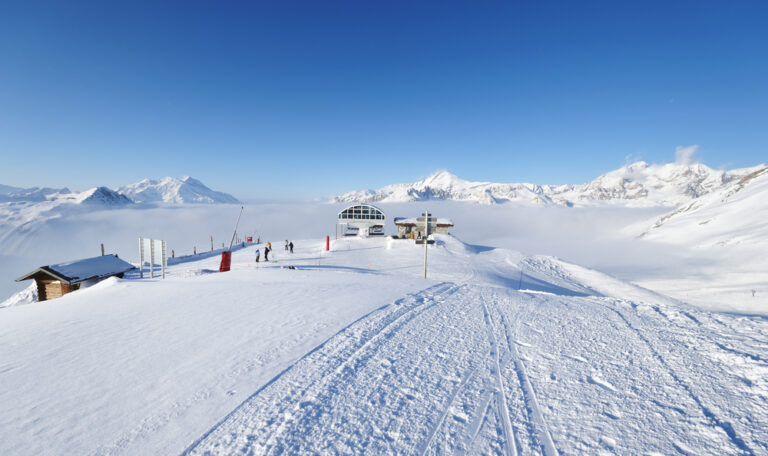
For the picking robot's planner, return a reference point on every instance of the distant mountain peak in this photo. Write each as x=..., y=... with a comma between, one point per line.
x=443, y=179
x=187, y=190
x=104, y=196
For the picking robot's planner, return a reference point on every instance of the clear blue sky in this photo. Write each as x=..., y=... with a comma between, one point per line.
x=315, y=98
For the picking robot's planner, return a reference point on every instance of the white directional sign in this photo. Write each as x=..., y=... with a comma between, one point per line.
x=154, y=252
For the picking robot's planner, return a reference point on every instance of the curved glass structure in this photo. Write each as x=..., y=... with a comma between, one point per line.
x=360, y=213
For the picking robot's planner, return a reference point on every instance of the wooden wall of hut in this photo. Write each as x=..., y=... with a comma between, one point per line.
x=51, y=289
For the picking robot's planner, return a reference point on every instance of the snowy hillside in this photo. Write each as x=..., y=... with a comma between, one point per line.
x=635, y=185
x=9, y=194
x=173, y=190
x=353, y=352
x=733, y=214
x=726, y=235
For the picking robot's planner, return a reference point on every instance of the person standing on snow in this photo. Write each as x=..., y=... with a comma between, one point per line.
x=258, y=253
x=286, y=245
x=266, y=253
x=291, y=246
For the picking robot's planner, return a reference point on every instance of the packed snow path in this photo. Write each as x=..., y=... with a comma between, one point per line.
x=352, y=352
x=460, y=368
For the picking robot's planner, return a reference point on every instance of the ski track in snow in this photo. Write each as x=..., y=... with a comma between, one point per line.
x=444, y=371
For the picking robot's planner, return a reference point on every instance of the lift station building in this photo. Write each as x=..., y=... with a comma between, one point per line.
x=362, y=220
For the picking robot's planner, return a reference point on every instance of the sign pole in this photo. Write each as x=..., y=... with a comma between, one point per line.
x=426, y=236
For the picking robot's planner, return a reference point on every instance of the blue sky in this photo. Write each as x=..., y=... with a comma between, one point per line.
x=315, y=98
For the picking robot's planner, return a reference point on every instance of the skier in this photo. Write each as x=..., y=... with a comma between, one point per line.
x=286, y=245
x=290, y=246
x=266, y=253
x=258, y=253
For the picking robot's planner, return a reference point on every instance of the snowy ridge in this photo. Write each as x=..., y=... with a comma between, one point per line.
x=173, y=190
x=638, y=184
x=9, y=194
x=733, y=214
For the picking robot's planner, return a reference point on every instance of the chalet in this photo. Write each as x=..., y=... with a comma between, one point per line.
x=56, y=280
x=413, y=227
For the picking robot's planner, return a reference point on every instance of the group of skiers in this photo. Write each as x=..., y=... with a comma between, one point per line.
x=268, y=248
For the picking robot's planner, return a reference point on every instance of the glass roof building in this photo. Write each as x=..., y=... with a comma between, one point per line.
x=362, y=219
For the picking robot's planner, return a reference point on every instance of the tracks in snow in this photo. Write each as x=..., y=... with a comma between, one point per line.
x=464, y=369
x=373, y=387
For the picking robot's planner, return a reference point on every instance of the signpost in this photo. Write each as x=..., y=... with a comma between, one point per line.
x=427, y=218
x=154, y=251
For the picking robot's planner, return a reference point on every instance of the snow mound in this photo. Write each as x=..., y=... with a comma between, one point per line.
x=25, y=296
x=177, y=191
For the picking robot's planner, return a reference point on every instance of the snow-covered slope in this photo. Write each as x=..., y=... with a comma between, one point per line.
x=29, y=215
x=8, y=193
x=726, y=236
x=638, y=184
x=173, y=190
x=733, y=214
x=353, y=352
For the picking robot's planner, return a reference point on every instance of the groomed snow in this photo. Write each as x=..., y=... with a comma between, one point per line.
x=352, y=352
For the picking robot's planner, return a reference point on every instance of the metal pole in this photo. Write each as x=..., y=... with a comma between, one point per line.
x=164, y=260
x=236, y=224
x=426, y=235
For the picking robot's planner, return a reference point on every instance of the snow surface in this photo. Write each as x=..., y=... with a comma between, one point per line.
x=352, y=352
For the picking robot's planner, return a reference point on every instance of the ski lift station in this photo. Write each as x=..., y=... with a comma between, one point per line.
x=362, y=220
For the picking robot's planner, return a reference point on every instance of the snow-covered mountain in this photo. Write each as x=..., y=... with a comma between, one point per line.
x=173, y=190
x=446, y=186
x=26, y=214
x=102, y=196
x=9, y=193
x=636, y=185
x=733, y=214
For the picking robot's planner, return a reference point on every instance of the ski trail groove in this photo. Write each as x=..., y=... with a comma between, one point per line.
x=477, y=424
x=713, y=418
x=355, y=359
x=542, y=429
x=511, y=447
x=339, y=353
x=445, y=411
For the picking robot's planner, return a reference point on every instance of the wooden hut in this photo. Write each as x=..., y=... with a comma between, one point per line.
x=56, y=280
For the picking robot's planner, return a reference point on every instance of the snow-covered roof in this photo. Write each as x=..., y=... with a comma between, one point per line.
x=85, y=269
x=413, y=221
